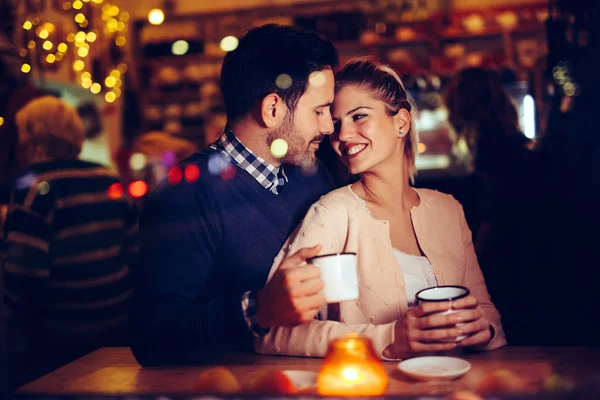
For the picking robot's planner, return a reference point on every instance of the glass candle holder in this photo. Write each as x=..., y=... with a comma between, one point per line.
x=351, y=368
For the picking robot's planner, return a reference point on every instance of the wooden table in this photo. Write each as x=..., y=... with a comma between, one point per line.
x=114, y=370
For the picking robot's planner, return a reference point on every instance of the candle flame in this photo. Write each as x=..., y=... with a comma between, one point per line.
x=351, y=375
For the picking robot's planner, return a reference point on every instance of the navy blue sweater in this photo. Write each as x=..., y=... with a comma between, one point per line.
x=203, y=245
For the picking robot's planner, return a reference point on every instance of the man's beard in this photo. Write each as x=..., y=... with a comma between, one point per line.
x=299, y=152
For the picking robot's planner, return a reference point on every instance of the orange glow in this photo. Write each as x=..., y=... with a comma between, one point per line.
x=351, y=368
x=138, y=189
x=192, y=173
x=175, y=175
x=115, y=191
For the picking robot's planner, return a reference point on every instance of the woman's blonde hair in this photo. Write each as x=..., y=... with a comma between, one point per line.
x=386, y=85
x=49, y=129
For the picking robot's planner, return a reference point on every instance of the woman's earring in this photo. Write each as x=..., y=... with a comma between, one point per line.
x=401, y=133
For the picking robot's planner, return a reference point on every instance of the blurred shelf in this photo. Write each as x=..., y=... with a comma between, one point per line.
x=489, y=33
x=381, y=44
x=184, y=60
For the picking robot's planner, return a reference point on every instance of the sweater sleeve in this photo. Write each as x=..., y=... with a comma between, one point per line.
x=175, y=320
x=327, y=227
x=475, y=281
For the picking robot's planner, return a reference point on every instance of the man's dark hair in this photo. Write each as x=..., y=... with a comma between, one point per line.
x=249, y=73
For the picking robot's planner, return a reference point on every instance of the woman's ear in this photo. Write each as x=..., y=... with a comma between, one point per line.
x=402, y=122
x=272, y=110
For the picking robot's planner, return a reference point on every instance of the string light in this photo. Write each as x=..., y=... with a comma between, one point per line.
x=95, y=88
x=78, y=65
x=115, y=20
x=156, y=16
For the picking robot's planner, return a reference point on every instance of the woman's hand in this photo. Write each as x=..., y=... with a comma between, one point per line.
x=476, y=324
x=422, y=330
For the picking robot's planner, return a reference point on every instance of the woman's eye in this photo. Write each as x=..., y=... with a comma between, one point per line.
x=356, y=117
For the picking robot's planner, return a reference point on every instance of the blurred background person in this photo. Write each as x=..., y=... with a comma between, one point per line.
x=70, y=241
x=9, y=167
x=160, y=150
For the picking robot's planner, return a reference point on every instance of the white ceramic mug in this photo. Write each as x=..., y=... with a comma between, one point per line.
x=338, y=273
x=444, y=293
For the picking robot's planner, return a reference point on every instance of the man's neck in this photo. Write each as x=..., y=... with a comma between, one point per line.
x=253, y=137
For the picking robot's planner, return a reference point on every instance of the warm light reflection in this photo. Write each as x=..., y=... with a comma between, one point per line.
x=175, y=175
x=31, y=44
x=120, y=41
x=91, y=37
x=138, y=189
x=279, y=148
x=137, y=161
x=62, y=47
x=43, y=34
x=82, y=52
x=351, y=375
x=79, y=18
x=110, y=97
x=283, y=81
x=1, y=121
x=191, y=173
x=95, y=88
x=71, y=37
x=110, y=81
x=80, y=37
x=421, y=147
x=50, y=58
x=25, y=68
x=317, y=78
x=124, y=16
x=59, y=56
x=229, y=43
x=115, y=191
x=23, y=52
x=180, y=47
x=27, y=25
x=77, y=4
x=228, y=172
x=44, y=188
x=47, y=45
x=156, y=16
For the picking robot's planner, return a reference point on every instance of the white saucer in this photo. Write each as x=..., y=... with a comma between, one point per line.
x=302, y=379
x=430, y=368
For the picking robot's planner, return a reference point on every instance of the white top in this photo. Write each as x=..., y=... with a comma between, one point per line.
x=418, y=274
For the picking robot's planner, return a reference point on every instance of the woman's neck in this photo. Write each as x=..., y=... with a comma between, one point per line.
x=387, y=186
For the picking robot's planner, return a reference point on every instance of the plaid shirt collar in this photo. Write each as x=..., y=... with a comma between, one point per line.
x=270, y=177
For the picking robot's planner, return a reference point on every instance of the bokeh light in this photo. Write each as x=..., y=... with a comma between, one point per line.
x=180, y=47
x=77, y=4
x=120, y=41
x=110, y=97
x=421, y=147
x=191, y=173
x=216, y=163
x=43, y=34
x=25, y=68
x=279, y=148
x=82, y=52
x=228, y=172
x=27, y=25
x=115, y=191
x=50, y=58
x=95, y=88
x=1, y=121
x=79, y=18
x=283, y=81
x=62, y=47
x=175, y=175
x=317, y=78
x=110, y=81
x=137, y=161
x=44, y=188
x=91, y=37
x=156, y=16
x=229, y=43
x=47, y=45
x=138, y=189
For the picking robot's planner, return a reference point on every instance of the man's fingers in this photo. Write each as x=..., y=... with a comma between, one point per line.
x=438, y=321
x=419, y=347
x=478, y=338
x=307, y=288
x=314, y=302
x=300, y=256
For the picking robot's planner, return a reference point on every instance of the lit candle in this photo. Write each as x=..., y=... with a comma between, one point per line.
x=351, y=368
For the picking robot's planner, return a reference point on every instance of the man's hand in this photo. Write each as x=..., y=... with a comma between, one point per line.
x=292, y=296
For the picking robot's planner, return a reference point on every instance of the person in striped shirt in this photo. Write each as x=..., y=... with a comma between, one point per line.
x=69, y=243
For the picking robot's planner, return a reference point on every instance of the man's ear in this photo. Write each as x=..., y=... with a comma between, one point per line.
x=273, y=110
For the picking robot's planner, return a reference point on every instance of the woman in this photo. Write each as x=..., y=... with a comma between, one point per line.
x=406, y=239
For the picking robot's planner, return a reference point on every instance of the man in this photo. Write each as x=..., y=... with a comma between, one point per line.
x=208, y=243
x=70, y=238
